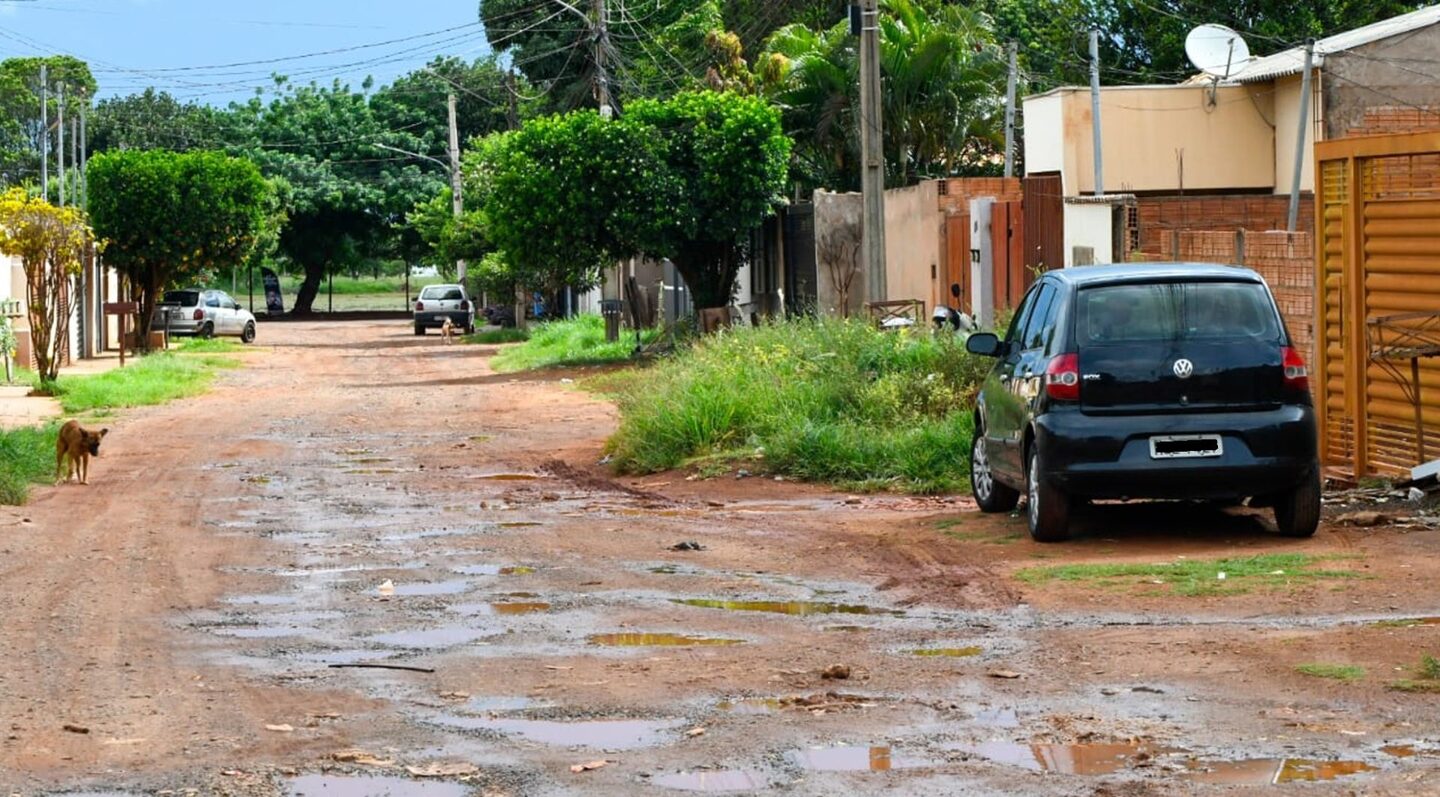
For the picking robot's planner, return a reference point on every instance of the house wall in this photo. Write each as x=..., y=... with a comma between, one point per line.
x=914, y=225
x=1156, y=138
x=1159, y=217
x=1089, y=225
x=837, y=215
x=1285, y=92
x=1396, y=72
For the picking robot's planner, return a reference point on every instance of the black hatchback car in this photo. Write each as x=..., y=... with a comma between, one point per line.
x=1161, y=381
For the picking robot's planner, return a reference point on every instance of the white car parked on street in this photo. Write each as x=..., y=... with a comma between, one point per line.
x=204, y=314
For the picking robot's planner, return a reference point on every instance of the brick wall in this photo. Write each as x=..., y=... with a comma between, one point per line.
x=1157, y=217
x=1285, y=260
x=1381, y=119
x=956, y=192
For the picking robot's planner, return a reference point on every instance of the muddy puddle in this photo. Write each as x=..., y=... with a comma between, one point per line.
x=1259, y=772
x=509, y=477
x=997, y=717
x=1068, y=759
x=431, y=638
x=856, y=759
x=493, y=570
x=325, y=658
x=785, y=607
x=659, y=640
x=946, y=653
x=370, y=786
x=431, y=588
x=752, y=705
x=597, y=734
x=260, y=600
x=712, y=781
x=507, y=609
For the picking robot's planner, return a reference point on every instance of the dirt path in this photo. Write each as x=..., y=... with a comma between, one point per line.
x=174, y=626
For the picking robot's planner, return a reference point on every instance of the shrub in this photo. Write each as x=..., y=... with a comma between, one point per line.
x=574, y=341
x=822, y=400
x=27, y=456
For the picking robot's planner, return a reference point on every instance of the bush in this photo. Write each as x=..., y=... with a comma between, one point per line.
x=575, y=341
x=822, y=400
x=27, y=456
x=154, y=379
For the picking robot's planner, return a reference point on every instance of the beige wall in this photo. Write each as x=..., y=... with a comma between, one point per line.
x=837, y=221
x=1286, y=104
x=913, y=223
x=1146, y=129
x=1089, y=225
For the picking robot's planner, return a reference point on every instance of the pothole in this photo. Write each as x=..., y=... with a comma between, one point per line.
x=431, y=638
x=430, y=588
x=1263, y=771
x=659, y=640
x=370, y=786
x=493, y=570
x=712, y=781
x=784, y=607
x=597, y=734
x=856, y=759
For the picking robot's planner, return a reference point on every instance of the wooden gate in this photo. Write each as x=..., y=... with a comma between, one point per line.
x=957, y=262
x=1044, y=247
x=1007, y=244
x=1377, y=369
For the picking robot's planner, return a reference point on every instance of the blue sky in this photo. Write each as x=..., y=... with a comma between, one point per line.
x=186, y=46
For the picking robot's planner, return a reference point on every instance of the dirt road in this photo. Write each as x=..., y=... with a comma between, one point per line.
x=357, y=495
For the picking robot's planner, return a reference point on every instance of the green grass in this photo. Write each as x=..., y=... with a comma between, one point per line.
x=493, y=336
x=1408, y=685
x=27, y=456
x=154, y=379
x=1338, y=672
x=207, y=346
x=1430, y=668
x=346, y=286
x=1427, y=677
x=1196, y=577
x=575, y=341
x=820, y=400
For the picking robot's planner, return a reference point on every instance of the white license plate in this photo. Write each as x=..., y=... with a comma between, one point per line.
x=1186, y=446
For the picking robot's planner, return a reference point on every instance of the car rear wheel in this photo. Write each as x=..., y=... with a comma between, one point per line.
x=248, y=336
x=207, y=331
x=1047, y=507
x=1297, y=512
x=990, y=495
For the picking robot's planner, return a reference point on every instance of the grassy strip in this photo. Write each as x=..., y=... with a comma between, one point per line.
x=1427, y=677
x=821, y=400
x=575, y=341
x=494, y=336
x=27, y=456
x=154, y=379
x=1195, y=577
x=208, y=346
x=1338, y=672
x=347, y=285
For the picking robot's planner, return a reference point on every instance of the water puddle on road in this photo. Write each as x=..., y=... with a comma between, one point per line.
x=493, y=570
x=263, y=631
x=260, y=600
x=1264, y=771
x=325, y=658
x=365, y=786
x=431, y=638
x=659, y=640
x=598, y=734
x=712, y=781
x=509, y=477
x=425, y=589
x=948, y=653
x=784, y=607
x=1070, y=759
x=997, y=717
x=500, y=609
x=752, y=705
x=855, y=759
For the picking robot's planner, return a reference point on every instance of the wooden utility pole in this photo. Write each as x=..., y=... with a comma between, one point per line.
x=457, y=186
x=601, y=34
x=1010, y=112
x=872, y=153
x=512, y=113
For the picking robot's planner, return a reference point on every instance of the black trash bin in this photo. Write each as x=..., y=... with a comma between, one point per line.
x=612, y=310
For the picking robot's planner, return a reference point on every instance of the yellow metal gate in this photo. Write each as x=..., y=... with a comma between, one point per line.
x=1377, y=375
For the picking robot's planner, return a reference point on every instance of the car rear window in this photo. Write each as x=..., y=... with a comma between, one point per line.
x=183, y=298
x=1175, y=311
x=440, y=293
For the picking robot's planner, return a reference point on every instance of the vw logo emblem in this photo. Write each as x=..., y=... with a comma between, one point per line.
x=1184, y=368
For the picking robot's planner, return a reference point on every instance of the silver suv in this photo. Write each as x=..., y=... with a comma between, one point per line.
x=439, y=302
x=204, y=314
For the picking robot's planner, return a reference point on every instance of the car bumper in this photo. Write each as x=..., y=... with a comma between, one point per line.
x=181, y=328
x=1109, y=457
x=459, y=318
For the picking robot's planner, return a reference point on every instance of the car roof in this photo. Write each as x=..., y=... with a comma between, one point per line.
x=1086, y=276
x=444, y=285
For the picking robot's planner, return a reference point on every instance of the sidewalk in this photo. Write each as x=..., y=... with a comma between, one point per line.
x=18, y=408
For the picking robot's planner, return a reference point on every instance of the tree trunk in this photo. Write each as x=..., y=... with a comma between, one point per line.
x=709, y=269
x=146, y=302
x=310, y=288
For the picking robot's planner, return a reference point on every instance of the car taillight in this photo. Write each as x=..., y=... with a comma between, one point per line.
x=464, y=305
x=1297, y=376
x=419, y=305
x=1062, y=378
x=199, y=314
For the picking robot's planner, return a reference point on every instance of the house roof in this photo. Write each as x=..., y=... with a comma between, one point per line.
x=1292, y=61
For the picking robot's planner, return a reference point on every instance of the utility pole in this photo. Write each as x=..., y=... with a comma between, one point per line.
x=512, y=114
x=456, y=179
x=84, y=161
x=1095, y=111
x=60, y=144
x=1300, y=138
x=1010, y=112
x=601, y=33
x=44, y=133
x=872, y=152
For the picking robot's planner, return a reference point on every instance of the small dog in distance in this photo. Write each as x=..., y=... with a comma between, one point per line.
x=79, y=444
x=447, y=331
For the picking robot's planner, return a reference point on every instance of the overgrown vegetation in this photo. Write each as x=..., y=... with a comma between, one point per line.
x=574, y=341
x=27, y=456
x=1337, y=672
x=155, y=379
x=1196, y=577
x=820, y=400
x=494, y=336
x=1427, y=677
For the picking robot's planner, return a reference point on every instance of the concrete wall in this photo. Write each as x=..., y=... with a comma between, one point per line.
x=1089, y=225
x=1156, y=138
x=1286, y=115
x=1397, y=71
x=837, y=226
x=914, y=226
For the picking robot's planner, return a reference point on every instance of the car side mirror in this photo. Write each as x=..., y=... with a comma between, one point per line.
x=985, y=344
x=955, y=289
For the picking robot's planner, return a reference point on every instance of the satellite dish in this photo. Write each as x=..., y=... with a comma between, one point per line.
x=1216, y=50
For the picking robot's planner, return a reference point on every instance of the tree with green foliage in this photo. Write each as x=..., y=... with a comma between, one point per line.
x=20, y=131
x=51, y=244
x=168, y=216
x=152, y=120
x=445, y=238
x=417, y=102
x=730, y=156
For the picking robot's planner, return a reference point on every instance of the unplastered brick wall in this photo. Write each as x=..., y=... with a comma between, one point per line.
x=956, y=192
x=1158, y=217
x=1383, y=119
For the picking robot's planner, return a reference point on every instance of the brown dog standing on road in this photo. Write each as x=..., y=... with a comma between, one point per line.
x=447, y=331
x=79, y=444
